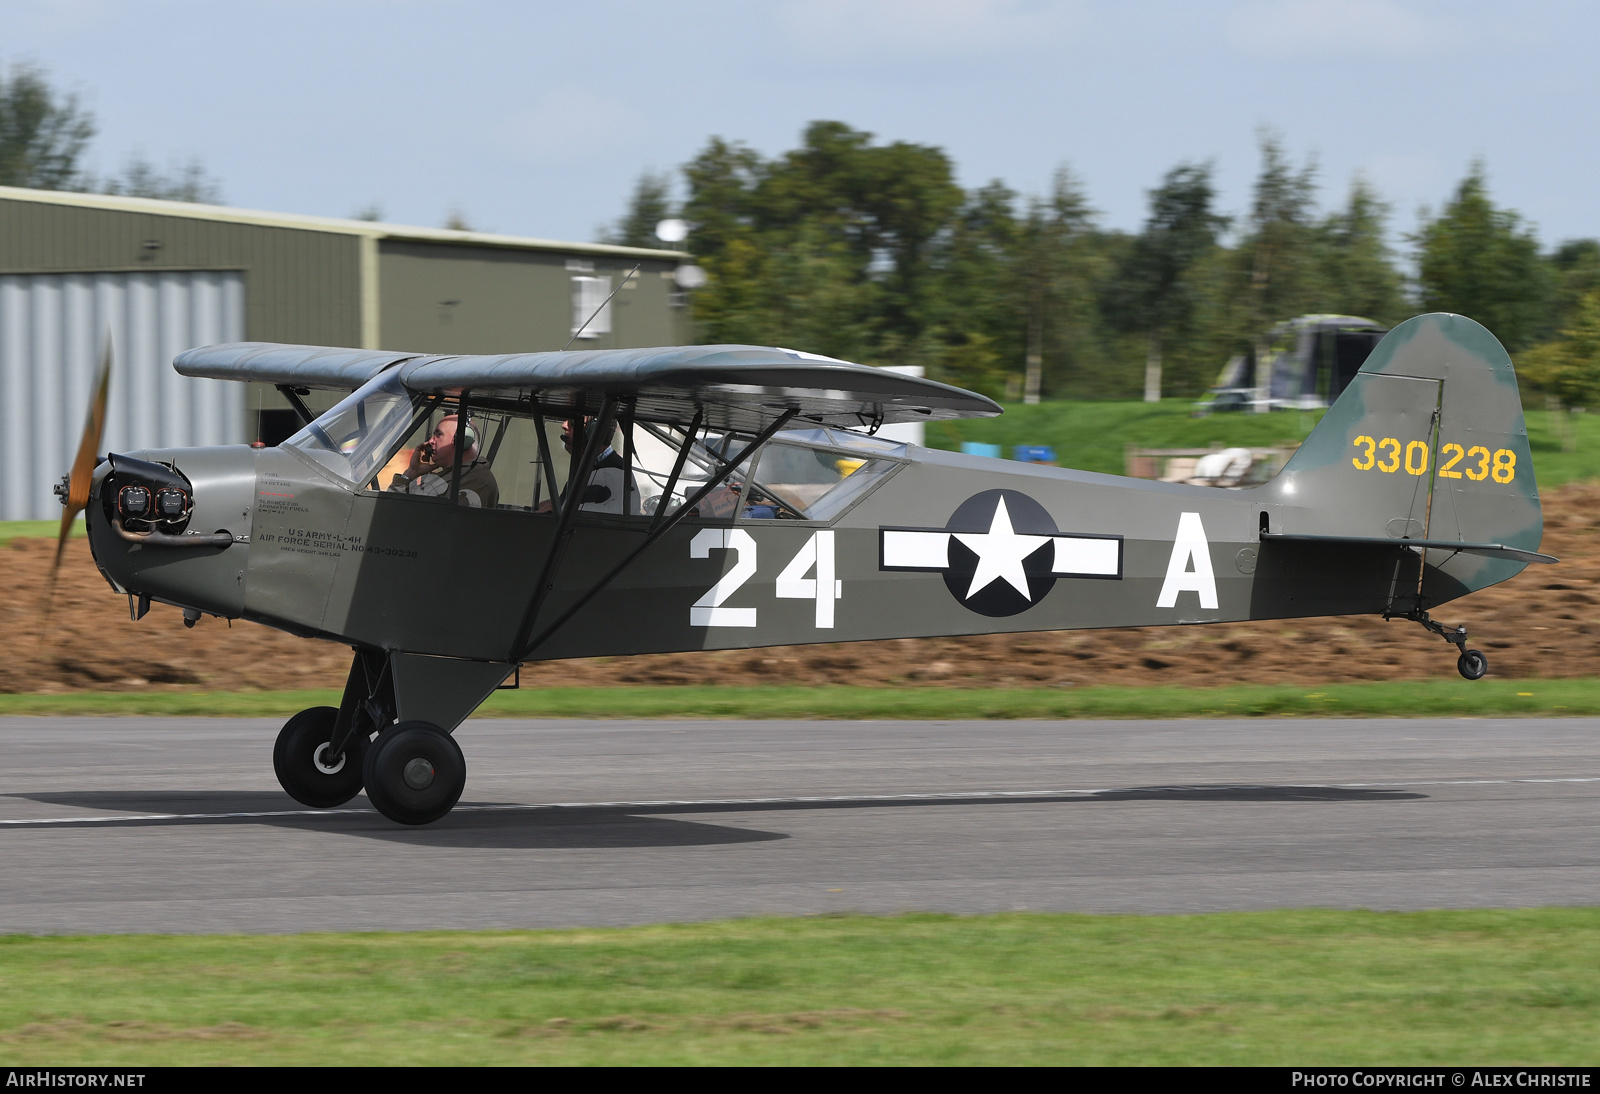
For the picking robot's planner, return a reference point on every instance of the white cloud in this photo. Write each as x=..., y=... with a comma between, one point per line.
x=924, y=28
x=1298, y=27
x=571, y=124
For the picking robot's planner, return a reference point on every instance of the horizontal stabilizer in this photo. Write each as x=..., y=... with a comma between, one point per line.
x=1488, y=550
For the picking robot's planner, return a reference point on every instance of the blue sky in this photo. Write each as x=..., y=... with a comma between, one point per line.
x=536, y=118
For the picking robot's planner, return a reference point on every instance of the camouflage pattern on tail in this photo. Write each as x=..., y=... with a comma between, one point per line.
x=1427, y=444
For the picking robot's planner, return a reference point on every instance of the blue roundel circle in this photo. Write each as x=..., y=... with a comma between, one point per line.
x=985, y=526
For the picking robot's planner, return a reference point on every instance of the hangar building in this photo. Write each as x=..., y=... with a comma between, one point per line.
x=160, y=277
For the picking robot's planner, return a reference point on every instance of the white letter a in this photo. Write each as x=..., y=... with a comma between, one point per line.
x=1190, y=546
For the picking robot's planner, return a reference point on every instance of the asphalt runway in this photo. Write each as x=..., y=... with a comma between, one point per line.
x=178, y=825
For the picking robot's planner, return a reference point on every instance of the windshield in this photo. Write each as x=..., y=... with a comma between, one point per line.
x=355, y=438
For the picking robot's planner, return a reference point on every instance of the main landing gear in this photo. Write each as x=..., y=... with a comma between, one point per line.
x=413, y=773
x=1472, y=663
x=304, y=767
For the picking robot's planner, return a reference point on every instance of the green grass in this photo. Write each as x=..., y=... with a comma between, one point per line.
x=1091, y=436
x=43, y=529
x=1301, y=988
x=1408, y=698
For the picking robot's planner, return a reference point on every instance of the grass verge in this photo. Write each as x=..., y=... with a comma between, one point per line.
x=1303, y=988
x=1092, y=436
x=1399, y=698
x=38, y=529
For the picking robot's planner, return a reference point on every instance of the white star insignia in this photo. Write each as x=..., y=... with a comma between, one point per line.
x=1000, y=553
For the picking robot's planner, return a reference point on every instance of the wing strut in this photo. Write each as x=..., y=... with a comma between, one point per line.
x=461, y=449
x=290, y=392
x=677, y=467
x=544, y=452
x=519, y=651
x=577, y=487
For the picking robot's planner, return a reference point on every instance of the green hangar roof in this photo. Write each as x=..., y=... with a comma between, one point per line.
x=330, y=281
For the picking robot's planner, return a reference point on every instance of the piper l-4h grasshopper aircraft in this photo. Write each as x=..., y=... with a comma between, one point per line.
x=456, y=516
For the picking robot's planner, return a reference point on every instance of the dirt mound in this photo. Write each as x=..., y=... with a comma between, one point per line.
x=1543, y=623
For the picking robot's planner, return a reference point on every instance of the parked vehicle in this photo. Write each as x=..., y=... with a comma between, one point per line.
x=1310, y=361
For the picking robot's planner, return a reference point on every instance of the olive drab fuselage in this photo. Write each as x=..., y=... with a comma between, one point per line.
x=1426, y=445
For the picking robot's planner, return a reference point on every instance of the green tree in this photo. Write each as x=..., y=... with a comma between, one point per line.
x=726, y=241
x=1358, y=274
x=649, y=205
x=977, y=330
x=1480, y=261
x=1152, y=293
x=1061, y=263
x=185, y=182
x=1279, y=254
x=42, y=133
x=1567, y=369
x=1575, y=270
x=832, y=243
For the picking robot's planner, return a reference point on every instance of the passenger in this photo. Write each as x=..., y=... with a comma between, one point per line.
x=604, y=493
x=433, y=465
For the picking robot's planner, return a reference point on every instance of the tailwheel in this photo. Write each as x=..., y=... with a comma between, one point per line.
x=415, y=773
x=1472, y=663
x=304, y=767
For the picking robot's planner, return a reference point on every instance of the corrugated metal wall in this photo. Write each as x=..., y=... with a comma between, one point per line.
x=52, y=334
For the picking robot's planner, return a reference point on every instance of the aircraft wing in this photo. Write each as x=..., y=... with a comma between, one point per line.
x=738, y=387
x=327, y=367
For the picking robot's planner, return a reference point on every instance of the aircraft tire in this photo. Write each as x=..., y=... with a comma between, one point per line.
x=1472, y=664
x=294, y=758
x=415, y=773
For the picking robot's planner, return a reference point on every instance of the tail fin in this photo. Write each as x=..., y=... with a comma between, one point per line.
x=1426, y=444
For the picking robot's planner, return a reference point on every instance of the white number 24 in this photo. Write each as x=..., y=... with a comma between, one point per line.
x=817, y=554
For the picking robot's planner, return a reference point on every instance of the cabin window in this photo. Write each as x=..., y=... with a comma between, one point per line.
x=656, y=449
x=362, y=430
x=794, y=482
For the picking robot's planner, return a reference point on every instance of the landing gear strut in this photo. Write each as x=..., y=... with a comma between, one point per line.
x=1472, y=663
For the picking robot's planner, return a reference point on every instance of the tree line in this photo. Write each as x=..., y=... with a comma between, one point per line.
x=872, y=252
x=44, y=134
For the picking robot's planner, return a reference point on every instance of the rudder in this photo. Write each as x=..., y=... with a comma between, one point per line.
x=1427, y=443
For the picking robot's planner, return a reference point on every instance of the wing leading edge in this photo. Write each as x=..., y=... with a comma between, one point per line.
x=738, y=387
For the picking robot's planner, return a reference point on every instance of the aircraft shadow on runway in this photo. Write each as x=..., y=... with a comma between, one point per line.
x=490, y=825
x=479, y=825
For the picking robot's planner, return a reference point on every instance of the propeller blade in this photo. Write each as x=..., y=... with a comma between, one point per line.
x=82, y=475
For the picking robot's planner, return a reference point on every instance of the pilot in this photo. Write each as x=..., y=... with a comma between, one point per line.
x=433, y=465
x=604, y=493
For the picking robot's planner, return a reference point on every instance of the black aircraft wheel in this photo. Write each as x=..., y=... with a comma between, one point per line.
x=1472, y=664
x=415, y=773
x=301, y=760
